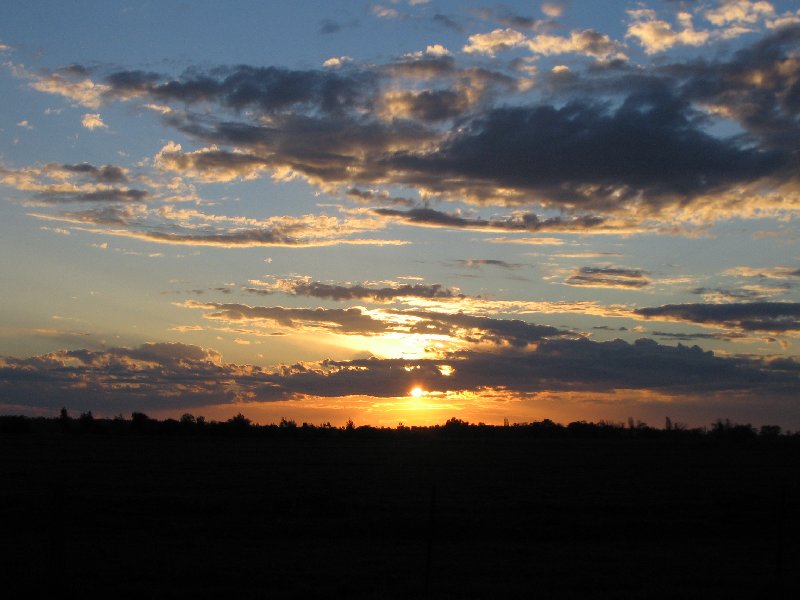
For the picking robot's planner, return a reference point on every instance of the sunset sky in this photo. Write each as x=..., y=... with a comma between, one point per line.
x=401, y=211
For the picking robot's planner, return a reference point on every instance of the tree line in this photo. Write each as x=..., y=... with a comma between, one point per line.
x=141, y=424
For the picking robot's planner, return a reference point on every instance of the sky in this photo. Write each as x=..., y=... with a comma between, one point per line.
x=401, y=211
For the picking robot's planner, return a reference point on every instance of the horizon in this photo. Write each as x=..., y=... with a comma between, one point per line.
x=402, y=211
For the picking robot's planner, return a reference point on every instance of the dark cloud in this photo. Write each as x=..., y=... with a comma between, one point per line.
x=478, y=329
x=354, y=321
x=688, y=337
x=101, y=195
x=422, y=67
x=446, y=22
x=247, y=238
x=104, y=215
x=475, y=263
x=603, y=140
x=327, y=26
x=519, y=21
x=586, y=155
x=527, y=222
x=316, y=289
x=609, y=277
x=269, y=89
x=740, y=294
x=176, y=376
x=758, y=86
x=555, y=365
x=774, y=317
x=433, y=105
x=105, y=173
x=350, y=321
x=372, y=196
x=157, y=376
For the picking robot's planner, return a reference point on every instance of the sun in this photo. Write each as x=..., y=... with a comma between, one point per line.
x=417, y=392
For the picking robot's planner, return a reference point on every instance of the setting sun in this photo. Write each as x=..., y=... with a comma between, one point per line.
x=417, y=392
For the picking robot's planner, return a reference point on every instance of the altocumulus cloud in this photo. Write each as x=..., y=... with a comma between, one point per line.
x=427, y=123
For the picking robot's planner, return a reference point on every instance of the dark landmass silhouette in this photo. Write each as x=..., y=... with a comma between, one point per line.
x=189, y=507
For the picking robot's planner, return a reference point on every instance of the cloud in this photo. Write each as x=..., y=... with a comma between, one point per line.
x=268, y=89
x=93, y=121
x=656, y=35
x=747, y=293
x=384, y=12
x=608, y=277
x=780, y=272
x=437, y=50
x=210, y=164
x=375, y=196
x=346, y=321
x=457, y=327
x=316, y=289
x=427, y=106
x=688, y=337
x=773, y=317
x=168, y=225
x=336, y=61
x=522, y=222
x=154, y=375
x=55, y=183
x=175, y=376
x=495, y=41
x=446, y=22
x=652, y=153
x=329, y=26
x=107, y=194
x=739, y=11
x=476, y=263
x=73, y=83
x=609, y=140
x=552, y=9
x=104, y=173
x=587, y=43
x=479, y=329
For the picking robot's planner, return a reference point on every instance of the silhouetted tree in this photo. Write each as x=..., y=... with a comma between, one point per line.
x=141, y=423
x=64, y=420
x=239, y=423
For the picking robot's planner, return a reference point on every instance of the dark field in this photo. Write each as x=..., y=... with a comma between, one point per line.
x=399, y=516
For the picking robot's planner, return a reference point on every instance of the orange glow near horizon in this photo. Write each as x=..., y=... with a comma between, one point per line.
x=489, y=406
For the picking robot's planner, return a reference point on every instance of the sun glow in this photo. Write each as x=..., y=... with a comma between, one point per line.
x=417, y=392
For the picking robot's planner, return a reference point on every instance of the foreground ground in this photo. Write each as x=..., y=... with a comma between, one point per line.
x=399, y=516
